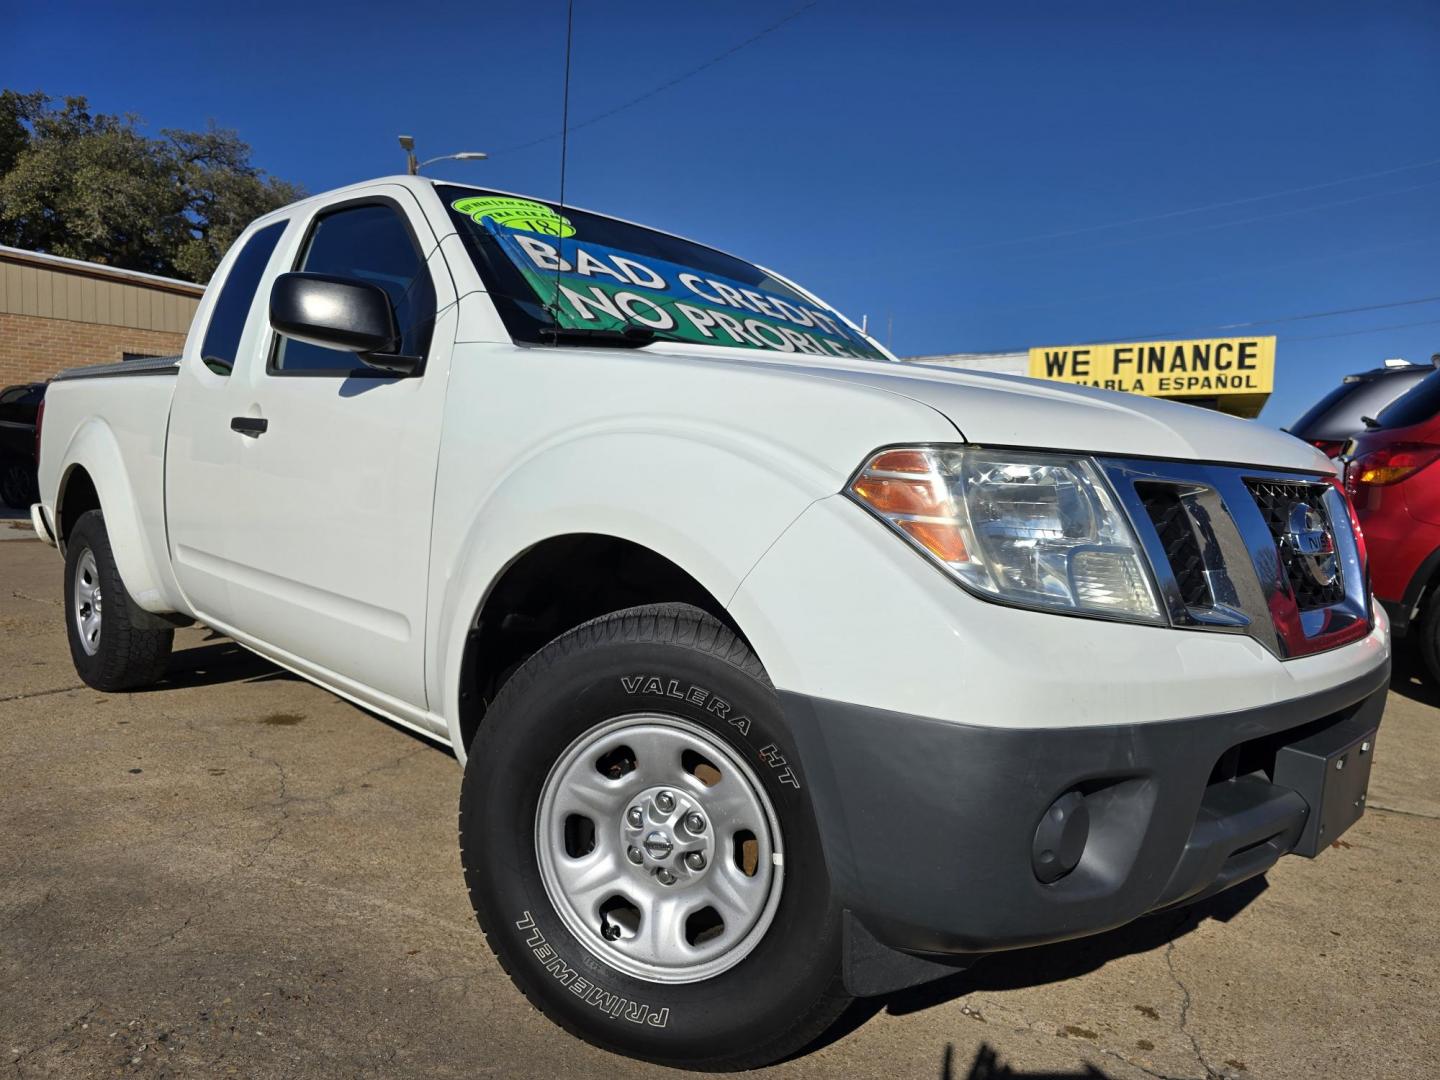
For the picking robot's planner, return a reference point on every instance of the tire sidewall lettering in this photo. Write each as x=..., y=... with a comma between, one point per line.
x=675, y=689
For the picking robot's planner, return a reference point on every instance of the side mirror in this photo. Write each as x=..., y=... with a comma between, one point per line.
x=340, y=313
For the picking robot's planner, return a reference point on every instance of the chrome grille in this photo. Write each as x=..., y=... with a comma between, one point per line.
x=1177, y=536
x=1270, y=555
x=1276, y=501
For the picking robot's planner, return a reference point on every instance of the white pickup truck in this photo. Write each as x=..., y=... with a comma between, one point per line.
x=780, y=671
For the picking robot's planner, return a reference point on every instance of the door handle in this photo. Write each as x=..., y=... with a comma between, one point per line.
x=252, y=426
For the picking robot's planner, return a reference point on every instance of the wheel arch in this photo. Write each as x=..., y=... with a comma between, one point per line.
x=78, y=496
x=553, y=586
x=96, y=476
x=1422, y=583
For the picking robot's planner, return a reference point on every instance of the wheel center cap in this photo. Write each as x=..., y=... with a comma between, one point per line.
x=658, y=845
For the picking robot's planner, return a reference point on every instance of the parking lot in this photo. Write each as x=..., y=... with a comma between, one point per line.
x=239, y=874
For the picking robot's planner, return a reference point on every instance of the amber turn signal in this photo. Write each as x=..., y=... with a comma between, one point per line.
x=944, y=541
x=906, y=488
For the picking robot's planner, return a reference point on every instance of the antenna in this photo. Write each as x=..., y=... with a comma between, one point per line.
x=564, y=148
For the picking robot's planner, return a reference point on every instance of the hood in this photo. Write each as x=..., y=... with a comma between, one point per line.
x=991, y=409
x=1009, y=410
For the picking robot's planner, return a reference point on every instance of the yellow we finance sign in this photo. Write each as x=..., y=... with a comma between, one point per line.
x=1208, y=368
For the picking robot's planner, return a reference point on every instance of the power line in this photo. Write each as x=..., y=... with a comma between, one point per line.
x=668, y=84
x=1182, y=283
x=1160, y=335
x=1371, y=330
x=1327, y=314
x=1203, y=209
x=1239, y=221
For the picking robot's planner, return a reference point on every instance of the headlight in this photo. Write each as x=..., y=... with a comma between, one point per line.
x=1039, y=530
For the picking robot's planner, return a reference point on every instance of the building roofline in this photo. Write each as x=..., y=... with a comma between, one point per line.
x=98, y=270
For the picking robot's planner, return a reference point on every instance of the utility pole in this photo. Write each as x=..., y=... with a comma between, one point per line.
x=407, y=143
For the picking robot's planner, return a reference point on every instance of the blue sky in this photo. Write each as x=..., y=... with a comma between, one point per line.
x=979, y=176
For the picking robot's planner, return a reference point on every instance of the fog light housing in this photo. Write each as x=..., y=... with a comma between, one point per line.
x=1060, y=838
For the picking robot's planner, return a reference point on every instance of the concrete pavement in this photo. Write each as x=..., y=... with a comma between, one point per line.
x=238, y=874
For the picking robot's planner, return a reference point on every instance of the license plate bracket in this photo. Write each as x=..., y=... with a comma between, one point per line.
x=1331, y=771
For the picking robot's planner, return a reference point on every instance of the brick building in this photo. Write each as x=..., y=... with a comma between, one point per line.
x=57, y=313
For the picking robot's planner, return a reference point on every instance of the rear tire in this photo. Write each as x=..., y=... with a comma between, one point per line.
x=669, y=679
x=111, y=644
x=17, y=486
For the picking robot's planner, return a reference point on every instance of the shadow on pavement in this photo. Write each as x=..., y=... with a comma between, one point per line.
x=986, y=1066
x=1408, y=677
x=212, y=664
x=220, y=660
x=1064, y=960
x=1046, y=964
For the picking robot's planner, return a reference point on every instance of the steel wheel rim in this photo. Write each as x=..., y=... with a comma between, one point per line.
x=87, y=602
x=614, y=898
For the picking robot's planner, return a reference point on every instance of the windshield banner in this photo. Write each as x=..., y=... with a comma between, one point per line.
x=594, y=287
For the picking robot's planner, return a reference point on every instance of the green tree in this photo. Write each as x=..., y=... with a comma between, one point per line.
x=93, y=186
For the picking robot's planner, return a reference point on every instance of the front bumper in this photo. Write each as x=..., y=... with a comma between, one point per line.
x=930, y=826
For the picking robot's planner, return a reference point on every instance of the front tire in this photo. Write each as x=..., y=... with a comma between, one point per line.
x=640, y=849
x=110, y=644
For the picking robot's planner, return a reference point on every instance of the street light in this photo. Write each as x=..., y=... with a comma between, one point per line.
x=407, y=143
x=464, y=155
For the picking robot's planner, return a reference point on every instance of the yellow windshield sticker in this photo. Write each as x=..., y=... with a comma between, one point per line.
x=514, y=213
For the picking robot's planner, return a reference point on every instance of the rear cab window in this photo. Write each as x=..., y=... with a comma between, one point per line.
x=237, y=294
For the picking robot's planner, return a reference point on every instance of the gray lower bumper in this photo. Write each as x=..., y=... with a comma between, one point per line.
x=930, y=826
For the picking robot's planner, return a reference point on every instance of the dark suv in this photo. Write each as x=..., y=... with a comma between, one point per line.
x=18, y=408
x=1340, y=414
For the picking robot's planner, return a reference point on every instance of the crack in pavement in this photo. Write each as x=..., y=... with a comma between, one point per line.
x=42, y=693
x=1028, y=1027
x=1403, y=813
x=1186, y=1001
x=35, y=599
x=69, y=1027
x=245, y=862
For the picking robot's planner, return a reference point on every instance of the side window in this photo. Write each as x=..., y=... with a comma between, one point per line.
x=371, y=243
x=232, y=306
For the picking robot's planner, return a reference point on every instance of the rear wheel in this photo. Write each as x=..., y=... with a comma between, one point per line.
x=17, y=485
x=640, y=850
x=111, y=644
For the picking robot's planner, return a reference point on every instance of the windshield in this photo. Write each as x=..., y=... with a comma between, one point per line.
x=584, y=278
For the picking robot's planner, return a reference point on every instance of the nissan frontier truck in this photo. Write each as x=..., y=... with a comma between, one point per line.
x=780, y=671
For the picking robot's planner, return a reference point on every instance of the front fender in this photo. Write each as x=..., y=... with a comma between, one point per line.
x=711, y=507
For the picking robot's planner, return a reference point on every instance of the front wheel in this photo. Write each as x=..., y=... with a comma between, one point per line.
x=111, y=644
x=640, y=849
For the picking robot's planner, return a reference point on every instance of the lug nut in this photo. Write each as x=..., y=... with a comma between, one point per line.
x=665, y=877
x=695, y=823
x=633, y=854
x=635, y=816
x=664, y=802
x=695, y=861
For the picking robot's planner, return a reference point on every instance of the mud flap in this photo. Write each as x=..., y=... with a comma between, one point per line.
x=872, y=968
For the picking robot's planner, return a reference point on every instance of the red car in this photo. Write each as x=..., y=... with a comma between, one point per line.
x=1390, y=476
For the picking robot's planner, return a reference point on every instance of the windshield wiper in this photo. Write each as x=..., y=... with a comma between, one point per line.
x=630, y=337
x=1370, y=422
